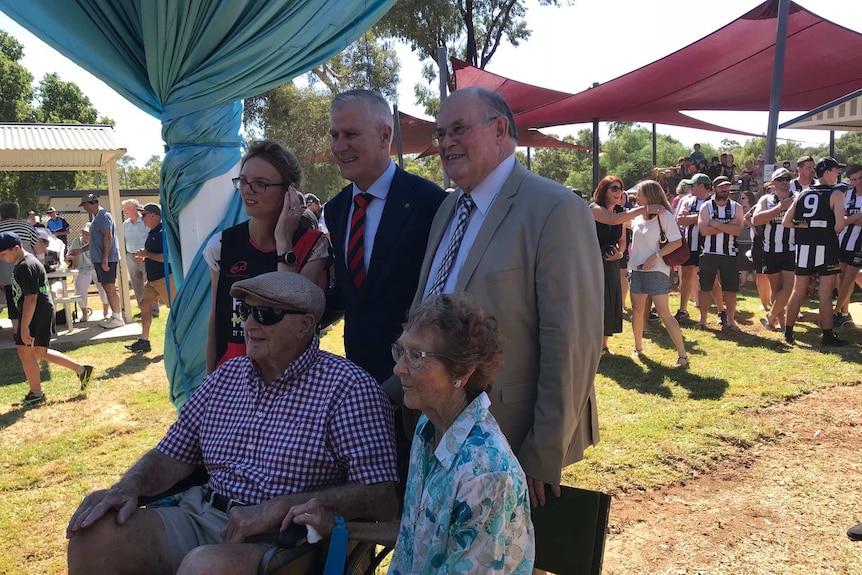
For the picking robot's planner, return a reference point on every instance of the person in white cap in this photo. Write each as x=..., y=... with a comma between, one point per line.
x=86, y=273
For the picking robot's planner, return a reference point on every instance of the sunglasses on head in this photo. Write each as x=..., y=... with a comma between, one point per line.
x=264, y=314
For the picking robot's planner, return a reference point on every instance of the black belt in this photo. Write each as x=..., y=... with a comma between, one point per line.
x=220, y=502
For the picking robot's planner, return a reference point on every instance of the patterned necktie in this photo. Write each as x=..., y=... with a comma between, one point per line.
x=465, y=207
x=356, y=241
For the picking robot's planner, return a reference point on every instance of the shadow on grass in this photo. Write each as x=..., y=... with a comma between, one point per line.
x=628, y=374
x=132, y=363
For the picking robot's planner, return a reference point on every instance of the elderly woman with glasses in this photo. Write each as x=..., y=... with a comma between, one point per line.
x=275, y=237
x=611, y=220
x=466, y=509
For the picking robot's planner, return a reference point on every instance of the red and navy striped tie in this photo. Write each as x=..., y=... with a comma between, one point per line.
x=356, y=241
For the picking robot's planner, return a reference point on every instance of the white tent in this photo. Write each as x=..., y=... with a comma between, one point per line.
x=843, y=114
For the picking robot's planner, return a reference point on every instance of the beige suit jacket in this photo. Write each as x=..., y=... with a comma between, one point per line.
x=535, y=267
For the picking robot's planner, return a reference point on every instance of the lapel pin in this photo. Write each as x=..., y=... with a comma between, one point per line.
x=407, y=205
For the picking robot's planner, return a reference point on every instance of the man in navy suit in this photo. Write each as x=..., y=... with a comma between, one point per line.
x=389, y=212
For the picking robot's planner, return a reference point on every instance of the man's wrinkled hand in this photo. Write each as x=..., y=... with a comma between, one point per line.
x=95, y=505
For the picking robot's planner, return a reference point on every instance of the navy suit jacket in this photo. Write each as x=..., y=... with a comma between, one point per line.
x=374, y=314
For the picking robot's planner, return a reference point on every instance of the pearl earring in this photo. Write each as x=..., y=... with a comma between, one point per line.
x=456, y=383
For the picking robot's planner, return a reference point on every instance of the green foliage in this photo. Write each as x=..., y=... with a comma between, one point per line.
x=848, y=147
x=368, y=63
x=63, y=103
x=16, y=91
x=430, y=168
x=568, y=167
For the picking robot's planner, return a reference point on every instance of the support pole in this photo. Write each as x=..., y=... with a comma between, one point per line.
x=443, y=73
x=777, y=79
x=398, y=143
x=529, y=165
x=654, y=149
x=596, y=150
x=832, y=143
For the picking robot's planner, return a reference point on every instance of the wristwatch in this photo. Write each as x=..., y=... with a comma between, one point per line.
x=289, y=258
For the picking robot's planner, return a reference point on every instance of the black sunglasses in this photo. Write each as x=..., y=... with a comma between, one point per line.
x=264, y=314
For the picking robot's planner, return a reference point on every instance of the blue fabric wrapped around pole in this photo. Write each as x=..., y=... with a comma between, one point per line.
x=190, y=63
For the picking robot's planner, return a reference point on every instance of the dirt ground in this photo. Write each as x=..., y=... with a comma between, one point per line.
x=781, y=508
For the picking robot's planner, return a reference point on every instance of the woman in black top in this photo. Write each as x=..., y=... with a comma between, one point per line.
x=611, y=219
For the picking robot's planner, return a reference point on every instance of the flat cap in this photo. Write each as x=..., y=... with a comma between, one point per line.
x=283, y=290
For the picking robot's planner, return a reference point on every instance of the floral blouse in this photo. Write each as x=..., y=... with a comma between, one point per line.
x=466, y=509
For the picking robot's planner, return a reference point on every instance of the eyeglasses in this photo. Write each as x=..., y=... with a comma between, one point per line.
x=616, y=188
x=457, y=131
x=256, y=187
x=414, y=356
x=264, y=314
x=781, y=179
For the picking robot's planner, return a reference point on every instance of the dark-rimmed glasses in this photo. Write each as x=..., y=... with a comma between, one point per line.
x=457, y=131
x=413, y=357
x=264, y=314
x=256, y=187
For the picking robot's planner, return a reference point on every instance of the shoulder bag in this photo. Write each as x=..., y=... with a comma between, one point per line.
x=678, y=256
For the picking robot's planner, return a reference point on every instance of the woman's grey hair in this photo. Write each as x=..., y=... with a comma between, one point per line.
x=465, y=334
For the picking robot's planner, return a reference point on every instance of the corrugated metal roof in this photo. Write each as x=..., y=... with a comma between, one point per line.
x=57, y=146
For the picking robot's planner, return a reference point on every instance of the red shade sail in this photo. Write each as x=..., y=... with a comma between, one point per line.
x=729, y=69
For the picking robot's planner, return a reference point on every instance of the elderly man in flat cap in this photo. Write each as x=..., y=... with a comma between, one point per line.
x=285, y=423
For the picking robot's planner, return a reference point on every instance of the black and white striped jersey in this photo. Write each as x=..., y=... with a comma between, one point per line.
x=720, y=244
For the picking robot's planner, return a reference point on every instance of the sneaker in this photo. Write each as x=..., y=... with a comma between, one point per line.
x=681, y=315
x=142, y=345
x=681, y=362
x=841, y=319
x=653, y=315
x=112, y=322
x=636, y=353
x=85, y=376
x=831, y=340
x=788, y=338
x=30, y=399
x=722, y=318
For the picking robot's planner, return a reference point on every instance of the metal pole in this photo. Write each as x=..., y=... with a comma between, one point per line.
x=832, y=143
x=654, y=149
x=529, y=165
x=595, y=153
x=777, y=79
x=443, y=73
x=397, y=122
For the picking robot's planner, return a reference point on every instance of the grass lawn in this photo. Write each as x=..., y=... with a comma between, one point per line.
x=659, y=425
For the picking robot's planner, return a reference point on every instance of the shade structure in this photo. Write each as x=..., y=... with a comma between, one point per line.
x=190, y=63
x=524, y=98
x=843, y=114
x=416, y=135
x=729, y=69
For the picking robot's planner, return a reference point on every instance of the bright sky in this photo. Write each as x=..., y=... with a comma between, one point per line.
x=624, y=35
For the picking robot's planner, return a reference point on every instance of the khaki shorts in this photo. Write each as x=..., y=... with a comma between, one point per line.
x=192, y=524
x=157, y=290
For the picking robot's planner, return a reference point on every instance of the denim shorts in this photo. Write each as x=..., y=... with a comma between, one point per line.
x=650, y=283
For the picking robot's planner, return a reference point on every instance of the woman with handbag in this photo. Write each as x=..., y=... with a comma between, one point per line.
x=611, y=220
x=655, y=239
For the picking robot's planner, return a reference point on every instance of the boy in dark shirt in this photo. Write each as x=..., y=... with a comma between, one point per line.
x=31, y=297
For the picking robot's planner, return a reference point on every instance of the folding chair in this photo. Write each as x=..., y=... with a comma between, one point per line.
x=571, y=531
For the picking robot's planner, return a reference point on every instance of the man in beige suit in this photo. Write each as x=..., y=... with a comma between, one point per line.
x=525, y=249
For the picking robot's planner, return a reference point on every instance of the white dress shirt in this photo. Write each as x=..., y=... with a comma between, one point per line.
x=373, y=212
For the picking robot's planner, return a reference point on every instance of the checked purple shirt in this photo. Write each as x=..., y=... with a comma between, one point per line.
x=322, y=424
